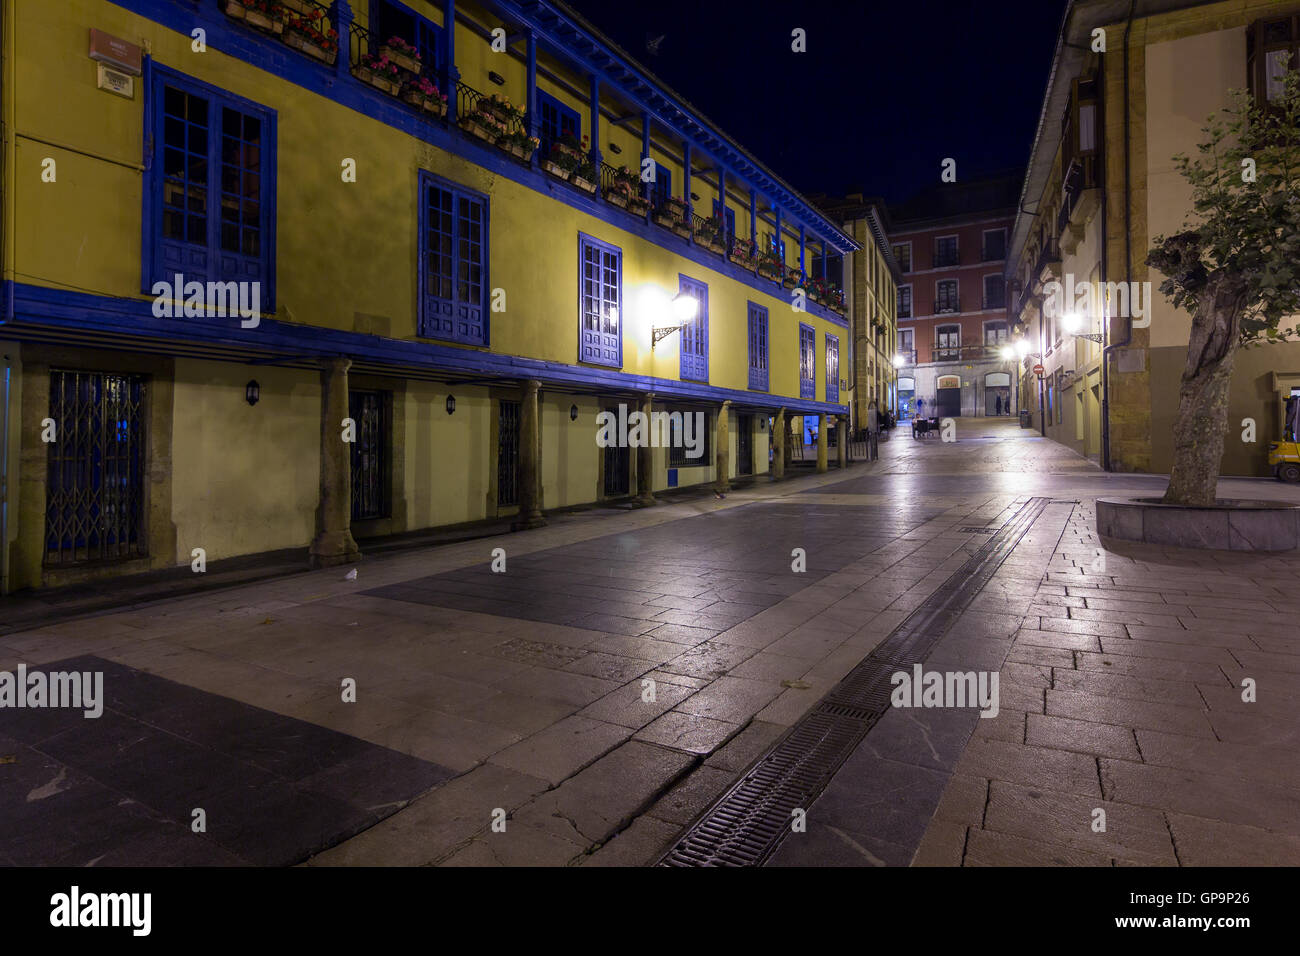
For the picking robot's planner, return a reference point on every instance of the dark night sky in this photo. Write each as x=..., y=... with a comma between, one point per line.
x=884, y=93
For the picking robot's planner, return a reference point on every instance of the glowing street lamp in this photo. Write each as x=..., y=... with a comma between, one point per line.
x=677, y=312
x=1073, y=322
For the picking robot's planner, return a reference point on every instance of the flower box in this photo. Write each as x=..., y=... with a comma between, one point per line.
x=714, y=245
x=297, y=6
x=664, y=218
x=299, y=42
x=366, y=75
x=515, y=149
x=430, y=104
x=789, y=281
x=767, y=272
x=583, y=184
x=616, y=198
x=407, y=62
x=263, y=21
x=682, y=229
x=235, y=9
x=638, y=205
x=741, y=259
x=474, y=127
x=556, y=170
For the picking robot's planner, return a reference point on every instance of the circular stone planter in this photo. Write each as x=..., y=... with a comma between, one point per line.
x=1231, y=524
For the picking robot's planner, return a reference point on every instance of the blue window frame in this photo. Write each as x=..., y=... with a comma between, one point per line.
x=807, y=361
x=453, y=262
x=209, y=187
x=832, y=368
x=391, y=19
x=695, y=333
x=729, y=216
x=758, y=378
x=555, y=119
x=772, y=244
x=662, y=187
x=600, y=302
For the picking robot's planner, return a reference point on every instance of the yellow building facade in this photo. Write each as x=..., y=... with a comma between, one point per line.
x=1131, y=88
x=265, y=294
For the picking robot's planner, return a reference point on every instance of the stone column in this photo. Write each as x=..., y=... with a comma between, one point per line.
x=645, y=458
x=823, y=443
x=530, y=513
x=722, y=449
x=842, y=439
x=778, y=453
x=333, y=543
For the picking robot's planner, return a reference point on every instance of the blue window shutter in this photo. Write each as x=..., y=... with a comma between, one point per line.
x=832, y=368
x=211, y=186
x=728, y=217
x=182, y=171
x=758, y=377
x=453, y=263
x=600, y=302
x=695, y=333
x=240, y=175
x=663, y=184
x=556, y=120
x=807, y=362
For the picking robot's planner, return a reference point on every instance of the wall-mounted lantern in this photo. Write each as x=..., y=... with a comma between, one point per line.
x=451, y=404
x=252, y=392
x=573, y=413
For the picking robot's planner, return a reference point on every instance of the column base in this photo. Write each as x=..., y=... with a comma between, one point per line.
x=525, y=524
x=644, y=501
x=332, y=548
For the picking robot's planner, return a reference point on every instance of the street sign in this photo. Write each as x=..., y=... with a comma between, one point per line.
x=1038, y=370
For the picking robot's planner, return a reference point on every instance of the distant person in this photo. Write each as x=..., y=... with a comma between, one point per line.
x=873, y=432
x=999, y=405
x=920, y=408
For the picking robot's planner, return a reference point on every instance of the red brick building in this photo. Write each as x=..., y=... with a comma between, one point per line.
x=951, y=245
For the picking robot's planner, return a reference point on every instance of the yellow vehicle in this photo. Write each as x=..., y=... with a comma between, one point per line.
x=1284, y=459
x=1284, y=456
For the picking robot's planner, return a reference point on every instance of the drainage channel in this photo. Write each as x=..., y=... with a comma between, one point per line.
x=746, y=823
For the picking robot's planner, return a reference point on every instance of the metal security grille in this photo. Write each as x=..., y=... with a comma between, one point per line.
x=369, y=410
x=700, y=431
x=508, y=454
x=94, y=505
x=618, y=460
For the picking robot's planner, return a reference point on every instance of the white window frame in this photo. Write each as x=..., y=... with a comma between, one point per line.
x=911, y=304
x=911, y=263
x=984, y=289
x=956, y=282
x=984, y=244
x=938, y=330
x=934, y=250
x=1006, y=327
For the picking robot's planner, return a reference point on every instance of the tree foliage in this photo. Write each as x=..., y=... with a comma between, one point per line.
x=1243, y=236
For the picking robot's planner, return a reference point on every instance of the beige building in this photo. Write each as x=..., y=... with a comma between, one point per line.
x=871, y=278
x=1132, y=82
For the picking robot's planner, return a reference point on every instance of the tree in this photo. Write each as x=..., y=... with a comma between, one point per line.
x=1235, y=267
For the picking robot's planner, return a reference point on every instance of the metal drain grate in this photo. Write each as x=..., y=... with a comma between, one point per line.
x=978, y=530
x=746, y=824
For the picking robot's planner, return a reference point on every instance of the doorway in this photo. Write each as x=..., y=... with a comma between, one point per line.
x=744, y=444
x=618, y=467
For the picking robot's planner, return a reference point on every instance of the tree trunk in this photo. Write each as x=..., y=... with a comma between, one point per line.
x=1202, y=421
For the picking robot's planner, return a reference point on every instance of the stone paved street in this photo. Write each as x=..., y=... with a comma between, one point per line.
x=523, y=694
